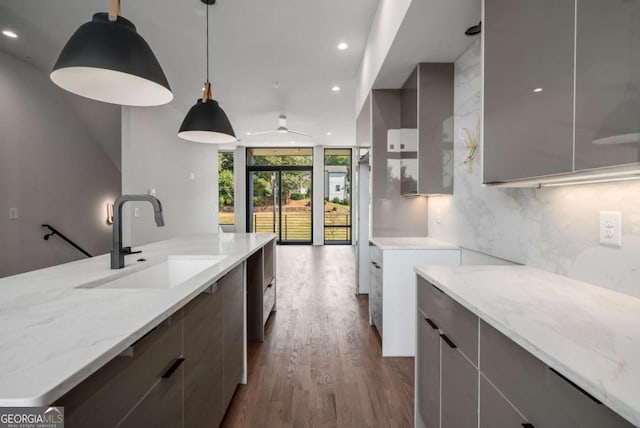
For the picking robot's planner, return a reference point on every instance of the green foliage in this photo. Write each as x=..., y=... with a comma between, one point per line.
x=225, y=179
x=261, y=190
x=336, y=200
x=346, y=202
x=297, y=196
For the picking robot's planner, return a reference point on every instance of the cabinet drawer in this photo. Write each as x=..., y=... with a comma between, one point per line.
x=103, y=399
x=162, y=407
x=495, y=410
x=375, y=254
x=539, y=393
x=268, y=302
x=458, y=323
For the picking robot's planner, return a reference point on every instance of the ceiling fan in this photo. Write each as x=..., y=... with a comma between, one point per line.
x=282, y=128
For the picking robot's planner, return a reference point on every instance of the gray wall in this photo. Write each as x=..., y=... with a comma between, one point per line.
x=555, y=229
x=153, y=157
x=53, y=168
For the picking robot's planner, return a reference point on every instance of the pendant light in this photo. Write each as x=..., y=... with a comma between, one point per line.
x=107, y=60
x=206, y=122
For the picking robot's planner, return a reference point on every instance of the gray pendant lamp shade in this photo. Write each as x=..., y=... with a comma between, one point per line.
x=206, y=122
x=109, y=61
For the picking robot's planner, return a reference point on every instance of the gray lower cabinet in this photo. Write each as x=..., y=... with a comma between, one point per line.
x=537, y=391
x=446, y=378
x=109, y=395
x=375, y=296
x=459, y=393
x=233, y=298
x=428, y=373
x=203, y=351
x=516, y=388
x=495, y=410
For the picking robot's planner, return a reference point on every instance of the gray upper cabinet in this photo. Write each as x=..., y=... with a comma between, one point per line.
x=607, y=83
x=425, y=140
x=528, y=88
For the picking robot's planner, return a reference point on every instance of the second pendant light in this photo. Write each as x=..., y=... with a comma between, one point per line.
x=206, y=122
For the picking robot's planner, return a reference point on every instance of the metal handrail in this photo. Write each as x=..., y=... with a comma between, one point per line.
x=54, y=231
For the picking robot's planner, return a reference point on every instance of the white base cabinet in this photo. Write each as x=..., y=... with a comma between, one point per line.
x=392, y=297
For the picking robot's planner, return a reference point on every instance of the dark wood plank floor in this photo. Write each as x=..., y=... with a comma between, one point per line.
x=321, y=363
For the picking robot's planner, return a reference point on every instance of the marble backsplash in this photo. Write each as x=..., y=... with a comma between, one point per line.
x=555, y=229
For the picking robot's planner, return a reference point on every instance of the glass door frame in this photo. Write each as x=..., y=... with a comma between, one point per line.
x=278, y=169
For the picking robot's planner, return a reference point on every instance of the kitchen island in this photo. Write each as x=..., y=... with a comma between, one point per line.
x=61, y=325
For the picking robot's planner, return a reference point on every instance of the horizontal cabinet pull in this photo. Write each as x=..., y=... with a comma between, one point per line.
x=527, y=425
x=594, y=399
x=448, y=341
x=173, y=368
x=270, y=285
x=431, y=323
x=436, y=288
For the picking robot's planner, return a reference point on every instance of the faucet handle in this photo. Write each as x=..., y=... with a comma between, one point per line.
x=127, y=250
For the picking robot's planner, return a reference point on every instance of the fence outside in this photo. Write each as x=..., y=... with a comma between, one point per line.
x=296, y=226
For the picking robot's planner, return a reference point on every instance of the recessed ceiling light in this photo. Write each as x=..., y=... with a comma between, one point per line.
x=329, y=133
x=292, y=142
x=342, y=46
x=336, y=89
x=9, y=33
x=536, y=90
x=248, y=132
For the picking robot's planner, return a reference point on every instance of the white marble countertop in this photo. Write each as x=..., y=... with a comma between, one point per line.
x=411, y=243
x=588, y=333
x=53, y=335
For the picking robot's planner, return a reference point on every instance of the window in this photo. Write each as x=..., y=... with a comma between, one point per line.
x=337, y=187
x=226, y=212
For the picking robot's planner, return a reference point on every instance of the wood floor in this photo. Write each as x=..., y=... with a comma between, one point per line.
x=321, y=364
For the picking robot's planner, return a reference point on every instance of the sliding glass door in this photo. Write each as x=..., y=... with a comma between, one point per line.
x=279, y=194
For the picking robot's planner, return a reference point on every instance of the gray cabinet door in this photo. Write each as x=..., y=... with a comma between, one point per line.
x=528, y=88
x=607, y=83
x=459, y=396
x=428, y=373
x=495, y=410
x=203, y=347
x=232, y=292
x=161, y=407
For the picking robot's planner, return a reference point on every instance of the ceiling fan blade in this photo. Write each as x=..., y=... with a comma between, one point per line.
x=293, y=131
x=273, y=131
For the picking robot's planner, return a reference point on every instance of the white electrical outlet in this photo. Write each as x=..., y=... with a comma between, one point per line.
x=611, y=228
x=438, y=215
x=152, y=192
x=13, y=213
x=192, y=176
x=136, y=212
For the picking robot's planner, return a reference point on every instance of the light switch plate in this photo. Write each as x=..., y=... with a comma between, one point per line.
x=611, y=228
x=136, y=212
x=13, y=213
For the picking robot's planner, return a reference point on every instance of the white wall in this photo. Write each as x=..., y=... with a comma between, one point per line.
x=53, y=169
x=153, y=157
x=385, y=26
x=555, y=229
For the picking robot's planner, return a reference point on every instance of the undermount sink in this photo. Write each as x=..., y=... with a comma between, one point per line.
x=169, y=273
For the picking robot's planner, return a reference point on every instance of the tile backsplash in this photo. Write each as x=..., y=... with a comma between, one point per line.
x=555, y=229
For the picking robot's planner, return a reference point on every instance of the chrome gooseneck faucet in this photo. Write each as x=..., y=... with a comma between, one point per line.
x=118, y=253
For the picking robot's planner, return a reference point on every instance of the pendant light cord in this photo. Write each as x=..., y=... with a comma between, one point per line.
x=207, y=6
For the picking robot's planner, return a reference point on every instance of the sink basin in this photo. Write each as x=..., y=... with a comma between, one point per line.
x=169, y=273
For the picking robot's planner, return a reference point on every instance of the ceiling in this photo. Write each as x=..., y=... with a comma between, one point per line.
x=253, y=45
